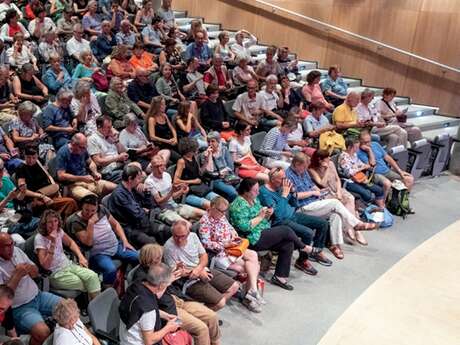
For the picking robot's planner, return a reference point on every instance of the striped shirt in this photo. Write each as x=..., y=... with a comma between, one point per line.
x=302, y=183
x=275, y=142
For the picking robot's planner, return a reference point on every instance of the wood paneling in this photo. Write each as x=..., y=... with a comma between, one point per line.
x=429, y=28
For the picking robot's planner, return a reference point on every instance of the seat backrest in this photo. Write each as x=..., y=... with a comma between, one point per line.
x=130, y=275
x=105, y=201
x=257, y=139
x=52, y=167
x=400, y=155
x=441, y=154
x=29, y=249
x=228, y=105
x=422, y=159
x=103, y=312
x=171, y=170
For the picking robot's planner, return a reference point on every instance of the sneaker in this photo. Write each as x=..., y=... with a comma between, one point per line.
x=321, y=259
x=252, y=305
x=306, y=267
x=255, y=296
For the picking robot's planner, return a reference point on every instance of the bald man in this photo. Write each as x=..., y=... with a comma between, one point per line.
x=345, y=116
x=30, y=305
x=76, y=168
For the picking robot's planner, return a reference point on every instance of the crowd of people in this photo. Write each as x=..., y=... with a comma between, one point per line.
x=127, y=140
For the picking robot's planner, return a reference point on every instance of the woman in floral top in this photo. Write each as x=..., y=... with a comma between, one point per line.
x=252, y=220
x=349, y=166
x=217, y=234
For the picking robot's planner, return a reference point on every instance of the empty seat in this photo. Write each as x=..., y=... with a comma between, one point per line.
x=454, y=164
x=400, y=155
x=420, y=157
x=441, y=147
x=104, y=316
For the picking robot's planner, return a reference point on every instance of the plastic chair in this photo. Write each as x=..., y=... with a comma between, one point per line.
x=400, y=155
x=441, y=147
x=420, y=157
x=104, y=316
x=256, y=144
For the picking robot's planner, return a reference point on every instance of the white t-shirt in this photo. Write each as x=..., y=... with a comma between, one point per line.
x=75, y=47
x=133, y=336
x=75, y=336
x=97, y=144
x=161, y=187
x=59, y=259
x=133, y=140
x=270, y=100
x=26, y=289
x=239, y=149
x=248, y=106
x=297, y=134
x=189, y=254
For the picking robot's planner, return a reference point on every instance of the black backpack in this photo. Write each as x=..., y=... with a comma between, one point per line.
x=398, y=202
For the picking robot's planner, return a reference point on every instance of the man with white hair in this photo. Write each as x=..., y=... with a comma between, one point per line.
x=126, y=35
x=77, y=44
x=345, y=116
x=185, y=252
x=272, y=102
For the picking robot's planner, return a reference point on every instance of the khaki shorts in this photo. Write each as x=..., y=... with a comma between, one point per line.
x=179, y=213
x=82, y=189
x=390, y=175
x=211, y=292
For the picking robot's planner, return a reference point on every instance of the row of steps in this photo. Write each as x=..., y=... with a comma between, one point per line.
x=426, y=117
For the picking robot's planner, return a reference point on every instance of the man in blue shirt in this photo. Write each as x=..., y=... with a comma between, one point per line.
x=334, y=87
x=200, y=50
x=311, y=201
x=77, y=170
x=58, y=119
x=277, y=194
x=372, y=153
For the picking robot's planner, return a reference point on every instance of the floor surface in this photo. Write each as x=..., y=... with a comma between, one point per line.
x=303, y=316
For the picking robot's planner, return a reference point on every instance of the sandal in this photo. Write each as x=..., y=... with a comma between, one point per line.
x=360, y=239
x=366, y=226
x=337, y=252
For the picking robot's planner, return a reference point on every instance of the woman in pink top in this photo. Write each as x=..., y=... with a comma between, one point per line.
x=312, y=91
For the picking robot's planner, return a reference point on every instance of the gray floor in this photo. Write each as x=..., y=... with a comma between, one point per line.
x=303, y=316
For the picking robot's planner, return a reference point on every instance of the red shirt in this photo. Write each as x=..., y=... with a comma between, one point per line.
x=208, y=78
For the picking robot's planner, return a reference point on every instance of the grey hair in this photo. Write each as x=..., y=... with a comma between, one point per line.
x=81, y=88
x=214, y=135
x=66, y=309
x=27, y=107
x=84, y=53
x=77, y=26
x=178, y=223
x=115, y=80
x=159, y=275
x=130, y=118
x=64, y=93
x=367, y=92
x=77, y=138
x=271, y=77
x=217, y=57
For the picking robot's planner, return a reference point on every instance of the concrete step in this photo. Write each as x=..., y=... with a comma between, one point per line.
x=214, y=33
x=351, y=82
x=180, y=14
x=208, y=27
x=258, y=49
x=185, y=20
x=306, y=65
x=417, y=110
x=452, y=131
x=431, y=122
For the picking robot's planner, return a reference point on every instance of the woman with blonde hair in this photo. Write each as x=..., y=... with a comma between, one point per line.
x=119, y=64
x=200, y=321
x=187, y=125
x=217, y=234
x=69, y=328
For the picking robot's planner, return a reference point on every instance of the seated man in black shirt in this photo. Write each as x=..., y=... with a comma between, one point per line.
x=141, y=90
x=126, y=207
x=213, y=114
x=41, y=189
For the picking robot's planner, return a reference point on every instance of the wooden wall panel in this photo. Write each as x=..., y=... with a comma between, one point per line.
x=429, y=28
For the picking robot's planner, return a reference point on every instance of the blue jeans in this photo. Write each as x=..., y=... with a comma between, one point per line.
x=104, y=264
x=60, y=141
x=28, y=315
x=228, y=190
x=365, y=192
x=12, y=164
x=197, y=201
x=309, y=228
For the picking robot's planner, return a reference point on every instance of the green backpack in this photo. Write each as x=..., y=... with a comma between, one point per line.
x=398, y=202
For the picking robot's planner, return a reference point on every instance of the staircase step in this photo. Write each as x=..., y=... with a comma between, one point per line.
x=352, y=82
x=209, y=27
x=431, y=122
x=180, y=14
x=212, y=34
x=306, y=65
x=452, y=131
x=417, y=110
x=258, y=49
x=185, y=20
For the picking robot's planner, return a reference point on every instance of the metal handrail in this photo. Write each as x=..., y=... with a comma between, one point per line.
x=273, y=9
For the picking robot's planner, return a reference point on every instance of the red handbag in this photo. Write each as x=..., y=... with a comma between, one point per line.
x=100, y=81
x=180, y=337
